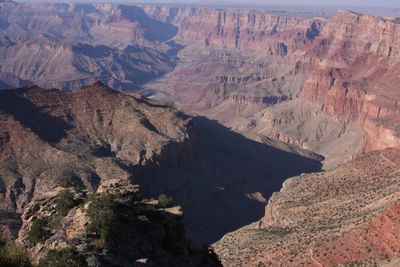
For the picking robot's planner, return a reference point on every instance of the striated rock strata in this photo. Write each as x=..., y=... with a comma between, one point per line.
x=337, y=80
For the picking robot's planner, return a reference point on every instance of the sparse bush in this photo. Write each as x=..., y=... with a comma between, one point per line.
x=165, y=202
x=12, y=256
x=39, y=231
x=143, y=218
x=65, y=183
x=63, y=258
x=103, y=218
x=65, y=202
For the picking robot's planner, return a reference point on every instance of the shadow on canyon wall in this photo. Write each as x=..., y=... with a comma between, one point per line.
x=222, y=185
x=155, y=31
x=47, y=127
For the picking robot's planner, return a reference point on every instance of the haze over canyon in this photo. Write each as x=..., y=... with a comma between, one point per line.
x=204, y=136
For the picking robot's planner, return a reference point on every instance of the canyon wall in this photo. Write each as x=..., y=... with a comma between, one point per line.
x=344, y=68
x=355, y=73
x=239, y=29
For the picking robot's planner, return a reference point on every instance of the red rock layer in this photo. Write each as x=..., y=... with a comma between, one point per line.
x=348, y=216
x=239, y=29
x=355, y=73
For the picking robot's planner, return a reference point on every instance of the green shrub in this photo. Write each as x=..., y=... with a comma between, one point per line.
x=165, y=202
x=103, y=218
x=143, y=218
x=65, y=202
x=65, y=183
x=12, y=256
x=39, y=231
x=67, y=257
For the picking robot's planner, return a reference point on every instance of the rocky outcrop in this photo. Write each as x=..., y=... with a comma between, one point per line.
x=139, y=231
x=344, y=216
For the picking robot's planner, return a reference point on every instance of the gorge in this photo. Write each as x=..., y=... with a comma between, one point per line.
x=215, y=107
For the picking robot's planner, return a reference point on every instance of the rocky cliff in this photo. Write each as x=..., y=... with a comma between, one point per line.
x=343, y=217
x=356, y=73
x=238, y=28
x=114, y=226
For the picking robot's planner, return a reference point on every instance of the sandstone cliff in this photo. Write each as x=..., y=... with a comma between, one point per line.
x=54, y=64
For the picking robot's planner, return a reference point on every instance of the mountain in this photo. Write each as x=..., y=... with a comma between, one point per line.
x=86, y=137
x=347, y=216
x=67, y=66
x=75, y=45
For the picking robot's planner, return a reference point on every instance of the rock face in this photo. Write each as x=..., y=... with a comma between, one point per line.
x=142, y=234
x=344, y=216
x=357, y=74
x=87, y=137
x=238, y=29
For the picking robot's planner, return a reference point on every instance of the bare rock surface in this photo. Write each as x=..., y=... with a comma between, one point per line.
x=343, y=217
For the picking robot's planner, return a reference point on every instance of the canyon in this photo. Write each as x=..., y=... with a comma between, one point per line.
x=324, y=84
x=215, y=107
x=314, y=82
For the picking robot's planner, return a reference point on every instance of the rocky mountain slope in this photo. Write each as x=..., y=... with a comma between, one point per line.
x=86, y=137
x=58, y=65
x=48, y=137
x=70, y=45
x=114, y=226
x=347, y=216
